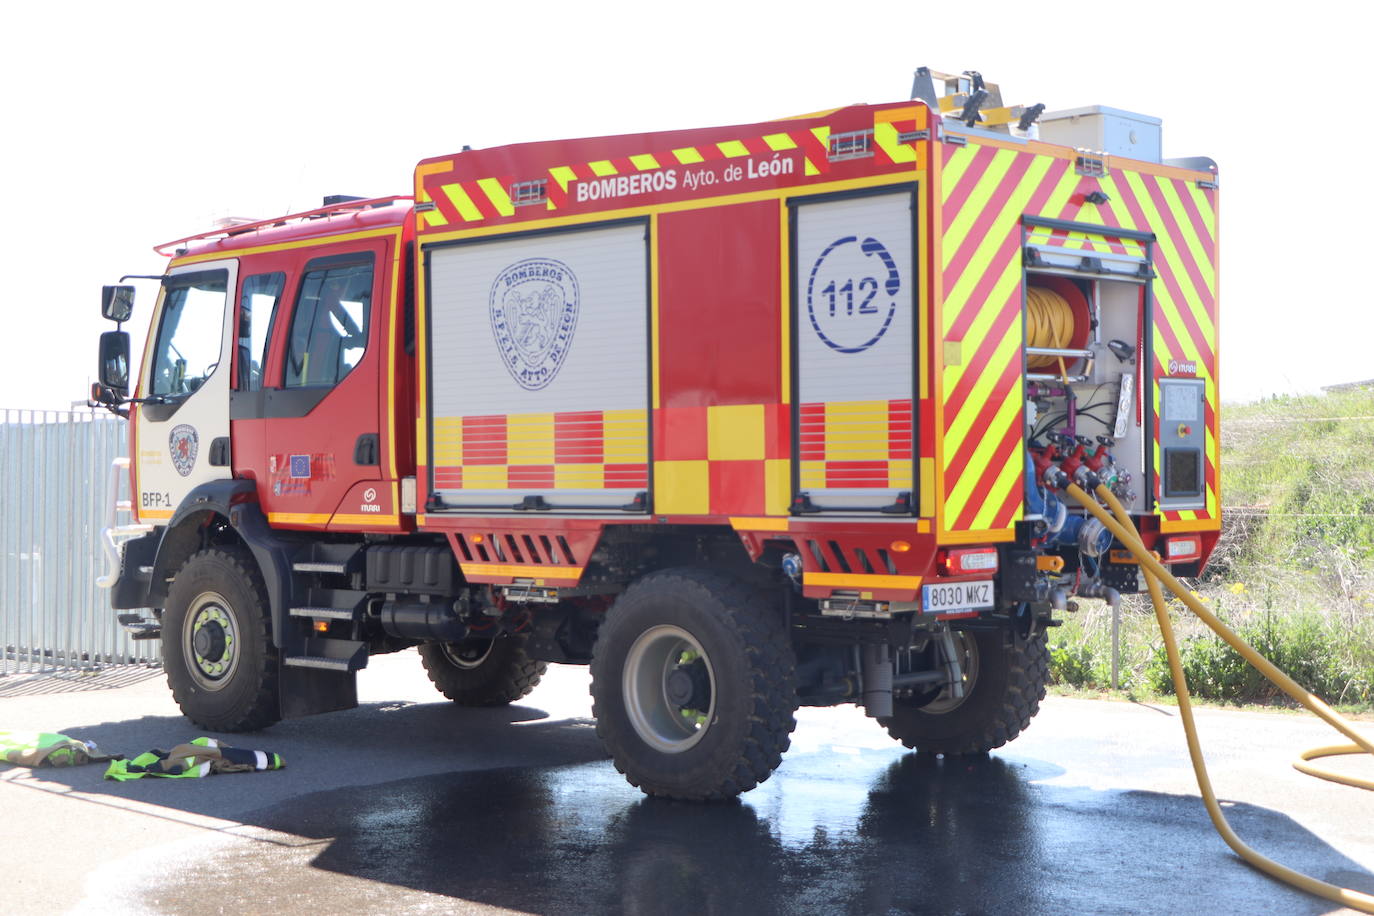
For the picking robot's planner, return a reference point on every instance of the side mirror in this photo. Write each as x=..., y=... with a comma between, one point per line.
x=117, y=302
x=114, y=361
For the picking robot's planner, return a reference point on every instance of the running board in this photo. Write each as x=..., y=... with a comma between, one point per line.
x=344, y=655
x=319, y=661
x=324, y=613
x=138, y=628
x=311, y=566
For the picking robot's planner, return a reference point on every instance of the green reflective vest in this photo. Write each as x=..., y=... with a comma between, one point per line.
x=36, y=749
x=200, y=757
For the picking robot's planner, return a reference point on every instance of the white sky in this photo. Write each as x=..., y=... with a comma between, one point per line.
x=130, y=124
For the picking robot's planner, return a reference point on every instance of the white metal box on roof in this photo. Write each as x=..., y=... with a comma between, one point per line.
x=1110, y=130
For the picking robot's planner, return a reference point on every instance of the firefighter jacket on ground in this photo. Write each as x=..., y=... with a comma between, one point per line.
x=200, y=757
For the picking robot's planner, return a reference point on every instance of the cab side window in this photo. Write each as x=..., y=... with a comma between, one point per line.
x=257, y=310
x=330, y=325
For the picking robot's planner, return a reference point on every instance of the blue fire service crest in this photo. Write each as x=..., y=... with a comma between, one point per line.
x=851, y=295
x=534, y=305
x=183, y=444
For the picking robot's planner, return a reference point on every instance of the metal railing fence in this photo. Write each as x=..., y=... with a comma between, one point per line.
x=54, y=499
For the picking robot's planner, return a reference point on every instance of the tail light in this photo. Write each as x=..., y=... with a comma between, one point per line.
x=1178, y=549
x=968, y=561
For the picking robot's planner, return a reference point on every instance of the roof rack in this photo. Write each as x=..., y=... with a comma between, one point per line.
x=329, y=210
x=967, y=97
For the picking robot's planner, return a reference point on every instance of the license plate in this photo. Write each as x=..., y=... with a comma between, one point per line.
x=951, y=597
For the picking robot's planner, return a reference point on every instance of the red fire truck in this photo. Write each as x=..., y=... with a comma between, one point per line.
x=744, y=417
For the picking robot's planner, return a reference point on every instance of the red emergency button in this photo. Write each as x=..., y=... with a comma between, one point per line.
x=1184, y=430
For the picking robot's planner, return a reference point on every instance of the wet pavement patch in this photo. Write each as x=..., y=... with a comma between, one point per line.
x=867, y=832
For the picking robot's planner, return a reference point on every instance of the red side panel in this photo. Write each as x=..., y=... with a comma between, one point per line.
x=720, y=305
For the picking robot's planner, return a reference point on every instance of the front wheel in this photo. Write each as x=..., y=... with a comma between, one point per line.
x=693, y=686
x=1003, y=686
x=482, y=672
x=217, y=645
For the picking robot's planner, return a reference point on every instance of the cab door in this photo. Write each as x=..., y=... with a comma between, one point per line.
x=320, y=403
x=265, y=283
x=182, y=424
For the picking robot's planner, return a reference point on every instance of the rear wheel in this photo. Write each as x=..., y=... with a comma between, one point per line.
x=693, y=686
x=1003, y=687
x=482, y=672
x=217, y=645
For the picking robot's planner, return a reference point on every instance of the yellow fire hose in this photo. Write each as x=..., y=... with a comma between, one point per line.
x=1154, y=574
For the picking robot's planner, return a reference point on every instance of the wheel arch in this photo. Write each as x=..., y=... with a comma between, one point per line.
x=222, y=513
x=632, y=552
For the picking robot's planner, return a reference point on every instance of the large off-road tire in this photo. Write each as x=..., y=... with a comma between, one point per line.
x=693, y=685
x=1003, y=689
x=482, y=672
x=217, y=644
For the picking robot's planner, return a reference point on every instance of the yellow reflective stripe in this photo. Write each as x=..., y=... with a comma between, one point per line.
x=448, y=441
x=1169, y=252
x=514, y=569
x=602, y=167
x=529, y=439
x=780, y=141
x=732, y=148
x=822, y=134
x=978, y=537
x=702, y=203
x=1115, y=201
x=462, y=203
x=1001, y=489
x=563, y=175
x=845, y=580
x=954, y=169
x=388, y=521
x=644, y=161
x=977, y=466
x=885, y=135
x=688, y=155
x=1190, y=238
x=298, y=518
x=497, y=194
x=758, y=524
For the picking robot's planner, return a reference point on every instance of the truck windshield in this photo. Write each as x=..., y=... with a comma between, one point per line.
x=189, y=337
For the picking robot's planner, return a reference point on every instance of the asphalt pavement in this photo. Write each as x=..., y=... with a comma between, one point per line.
x=411, y=804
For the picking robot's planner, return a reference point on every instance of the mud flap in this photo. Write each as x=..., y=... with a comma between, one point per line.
x=308, y=691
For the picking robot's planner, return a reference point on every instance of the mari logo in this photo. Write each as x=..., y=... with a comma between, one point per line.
x=183, y=444
x=534, y=304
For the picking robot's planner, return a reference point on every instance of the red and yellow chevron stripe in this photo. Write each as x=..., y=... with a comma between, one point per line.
x=986, y=188
x=444, y=201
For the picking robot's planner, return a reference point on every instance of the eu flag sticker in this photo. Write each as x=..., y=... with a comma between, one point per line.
x=300, y=467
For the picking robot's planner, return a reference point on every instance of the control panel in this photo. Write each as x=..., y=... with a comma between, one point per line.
x=1182, y=444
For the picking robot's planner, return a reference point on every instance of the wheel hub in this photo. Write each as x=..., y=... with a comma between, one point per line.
x=668, y=685
x=689, y=686
x=211, y=640
x=470, y=653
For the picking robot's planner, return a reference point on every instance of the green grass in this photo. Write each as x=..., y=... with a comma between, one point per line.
x=1293, y=572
